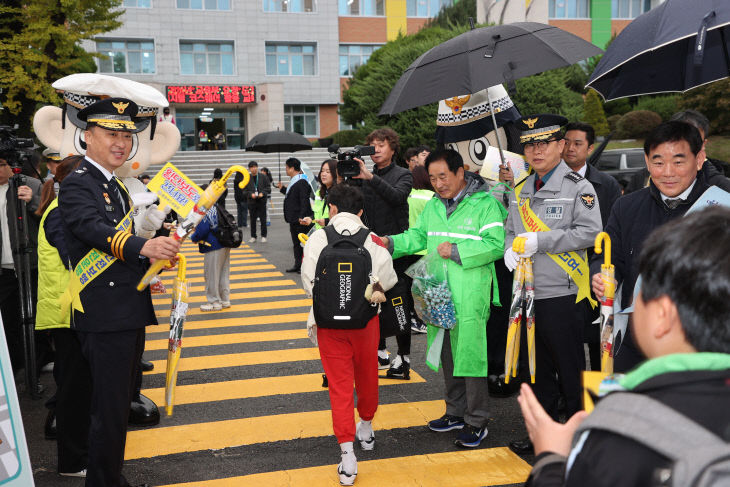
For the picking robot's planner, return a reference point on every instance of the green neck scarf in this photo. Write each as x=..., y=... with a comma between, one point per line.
x=678, y=362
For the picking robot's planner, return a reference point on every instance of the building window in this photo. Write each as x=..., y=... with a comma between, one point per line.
x=301, y=119
x=206, y=58
x=366, y=8
x=568, y=9
x=426, y=8
x=294, y=6
x=352, y=56
x=205, y=4
x=629, y=9
x=137, y=3
x=291, y=59
x=137, y=56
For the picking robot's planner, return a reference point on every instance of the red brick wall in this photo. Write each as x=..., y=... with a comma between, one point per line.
x=619, y=25
x=363, y=29
x=328, y=121
x=581, y=28
x=415, y=24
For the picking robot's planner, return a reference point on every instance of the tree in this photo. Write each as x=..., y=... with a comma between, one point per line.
x=713, y=100
x=593, y=113
x=42, y=44
x=547, y=93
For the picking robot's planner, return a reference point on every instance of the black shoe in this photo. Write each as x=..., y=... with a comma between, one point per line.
x=50, y=428
x=143, y=412
x=325, y=383
x=399, y=369
x=498, y=388
x=295, y=269
x=522, y=447
x=146, y=365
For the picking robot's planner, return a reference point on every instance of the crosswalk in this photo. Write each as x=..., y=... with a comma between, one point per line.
x=250, y=389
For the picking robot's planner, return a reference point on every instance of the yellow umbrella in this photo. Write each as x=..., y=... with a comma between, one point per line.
x=523, y=298
x=607, y=275
x=177, y=320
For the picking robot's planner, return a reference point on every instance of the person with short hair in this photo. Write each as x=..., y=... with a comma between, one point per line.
x=297, y=207
x=145, y=178
x=349, y=355
x=256, y=192
x=416, y=156
x=680, y=324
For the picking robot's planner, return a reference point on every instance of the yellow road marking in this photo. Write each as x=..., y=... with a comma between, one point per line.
x=266, y=429
x=292, y=303
x=242, y=389
x=250, y=285
x=226, y=322
x=469, y=468
x=238, y=359
x=242, y=260
x=273, y=293
x=226, y=338
x=245, y=275
x=241, y=268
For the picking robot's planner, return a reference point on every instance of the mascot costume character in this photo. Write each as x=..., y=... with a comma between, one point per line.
x=60, y=130
x=465, y=124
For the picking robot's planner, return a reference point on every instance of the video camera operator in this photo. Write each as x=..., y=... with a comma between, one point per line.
x=28, y=191
x=386, y=189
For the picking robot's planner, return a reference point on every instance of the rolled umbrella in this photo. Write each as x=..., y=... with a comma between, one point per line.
x=530, y=315
x=512, y=351
x=278, y=141
x=607, y=275
x=676, y=46
x=177, y=322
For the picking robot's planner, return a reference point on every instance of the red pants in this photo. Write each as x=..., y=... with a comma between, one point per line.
x=350, y=356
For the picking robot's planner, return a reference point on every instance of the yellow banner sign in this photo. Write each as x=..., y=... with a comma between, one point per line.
x=175, y=189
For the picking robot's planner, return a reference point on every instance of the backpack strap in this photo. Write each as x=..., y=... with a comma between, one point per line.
x=657, y=426
x=333, y=236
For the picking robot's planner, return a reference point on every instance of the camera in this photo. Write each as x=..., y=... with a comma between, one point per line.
x=347, y=166
x=14, y=149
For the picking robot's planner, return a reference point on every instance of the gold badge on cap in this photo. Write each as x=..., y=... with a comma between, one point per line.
x=457, y=102
x=530, y=122
x=120, y=106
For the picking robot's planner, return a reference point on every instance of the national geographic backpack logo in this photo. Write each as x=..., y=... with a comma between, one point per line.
x=344, y=267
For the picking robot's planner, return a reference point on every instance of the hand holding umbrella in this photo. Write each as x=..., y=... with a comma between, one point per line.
x=609, y=283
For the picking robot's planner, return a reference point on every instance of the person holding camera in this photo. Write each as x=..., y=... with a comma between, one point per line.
x=386, y=189
x=28, y=191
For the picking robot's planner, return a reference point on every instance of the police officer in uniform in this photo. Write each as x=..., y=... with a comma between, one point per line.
x=108, y=313
x=556, y=214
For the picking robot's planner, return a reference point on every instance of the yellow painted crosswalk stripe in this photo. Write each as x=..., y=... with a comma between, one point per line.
x=246, y=388
x=272, y=293
x=231, y=338
x=237, y=268
x=242, y=260
x=229, y=322
x=252, y=285
x=238, y=359
x=266, y=429
x=292, y=303
x=469, y=468
x=168, y=277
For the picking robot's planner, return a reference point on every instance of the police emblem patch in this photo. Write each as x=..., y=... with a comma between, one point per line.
x=588, y=200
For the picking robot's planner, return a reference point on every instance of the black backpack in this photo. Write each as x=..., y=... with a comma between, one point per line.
x=340, y=280
x=227, y=232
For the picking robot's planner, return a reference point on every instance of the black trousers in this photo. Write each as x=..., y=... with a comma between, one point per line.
x=558, y=354
x=73, y=401
x=404, y=340
x=591, y=332
x=10, y=308
x=113, y=361
x=257, y=211
x=295, y=229
x=499, y=320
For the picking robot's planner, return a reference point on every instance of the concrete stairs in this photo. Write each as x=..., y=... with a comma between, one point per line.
x=199, y=166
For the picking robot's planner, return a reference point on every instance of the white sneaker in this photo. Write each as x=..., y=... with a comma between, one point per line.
x=346, y=478
x=263, y=239
x=210, y=307
x=252, y=240
x=225, y=304
x=80, y=473
x=367, y=443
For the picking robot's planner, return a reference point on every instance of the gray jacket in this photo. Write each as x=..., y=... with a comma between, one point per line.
x=569, y=206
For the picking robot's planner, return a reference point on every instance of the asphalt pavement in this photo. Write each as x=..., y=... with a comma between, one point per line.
x=250, y=409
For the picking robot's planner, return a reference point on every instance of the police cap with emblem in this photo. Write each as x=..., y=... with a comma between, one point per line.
x=544, y=126
x=117, y=114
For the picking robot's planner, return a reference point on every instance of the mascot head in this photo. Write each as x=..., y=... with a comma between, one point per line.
x=464, y=123
x=61, y=130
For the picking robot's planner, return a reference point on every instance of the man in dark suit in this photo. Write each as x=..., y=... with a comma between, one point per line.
x=297, y=205
x=108, y=313
x=579, y=138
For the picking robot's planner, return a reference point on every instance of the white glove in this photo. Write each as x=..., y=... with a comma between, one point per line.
x=152, y=219
x=530, y=244
x=510, y=259
x=140, y=200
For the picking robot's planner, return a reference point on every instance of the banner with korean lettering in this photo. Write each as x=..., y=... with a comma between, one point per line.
x=211, y=94
x=175, y=189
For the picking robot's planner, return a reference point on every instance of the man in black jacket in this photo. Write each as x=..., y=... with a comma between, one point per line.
x=256, y=193
x=386, y=189
x=579, y=138
x=674, y=155
x=297, y=206
x=683, y=331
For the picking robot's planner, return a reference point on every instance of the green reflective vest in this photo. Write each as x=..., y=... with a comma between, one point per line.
x=52, y=281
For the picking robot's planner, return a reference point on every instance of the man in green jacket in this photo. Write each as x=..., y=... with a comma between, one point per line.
x=464, y=226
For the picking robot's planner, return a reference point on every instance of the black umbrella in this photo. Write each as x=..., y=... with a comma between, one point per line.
x=674, y=47
x=278, y=141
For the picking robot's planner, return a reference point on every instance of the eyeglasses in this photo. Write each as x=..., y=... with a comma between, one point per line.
x=540, y=145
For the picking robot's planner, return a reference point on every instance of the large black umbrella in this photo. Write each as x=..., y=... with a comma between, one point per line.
x=674, y=47
x=278, y=141
x=485, y=57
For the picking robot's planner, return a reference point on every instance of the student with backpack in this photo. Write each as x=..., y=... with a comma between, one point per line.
x=346, y=269
x=216, y=257
x=667, y=421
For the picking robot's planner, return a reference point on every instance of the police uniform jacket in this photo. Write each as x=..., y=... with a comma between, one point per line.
x=567, y=204
x=111, y=301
